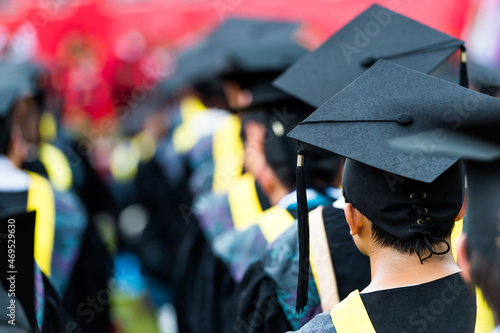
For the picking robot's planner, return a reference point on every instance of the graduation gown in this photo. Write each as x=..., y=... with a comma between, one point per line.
x=202, y=284
x=443, y=305
x=239, y=249
x=92, y=270
x=23, y=191
x=207, y=292
x=267, y=295
x=70, y=215
x=238, y=208
x=24, y=281
x=162, y=189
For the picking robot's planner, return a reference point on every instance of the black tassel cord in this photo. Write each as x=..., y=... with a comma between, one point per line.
x=303, y=232
x=464, y=79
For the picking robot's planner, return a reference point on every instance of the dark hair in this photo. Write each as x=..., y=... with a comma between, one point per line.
x=5, y=131
x=212, y=93
x=419, y=244
x=321, y=167
x=258, y=116
x=486, y=275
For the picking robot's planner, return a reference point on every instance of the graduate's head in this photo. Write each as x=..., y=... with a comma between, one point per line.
x=409, y=216
x=476, y=140
x=267, y=114
x=269, y=154
x=5, y=133
x=235, y=53
x=253, y=134
x=385, y=102
x=10, y=133
x=323, y=167
x=25, y=84
x=250, y=90
x=211, y=93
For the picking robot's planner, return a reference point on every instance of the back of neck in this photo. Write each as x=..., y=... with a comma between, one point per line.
x=391, y=269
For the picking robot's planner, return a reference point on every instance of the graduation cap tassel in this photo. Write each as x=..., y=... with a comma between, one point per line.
x=464, y=79
x=303, y=231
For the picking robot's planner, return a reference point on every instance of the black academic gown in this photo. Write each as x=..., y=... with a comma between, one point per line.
x=18, y=277
x=204, y=287
x=443, y=305
x=93, y=268
x=168, y=207
x=258, y=308
x=22, y=324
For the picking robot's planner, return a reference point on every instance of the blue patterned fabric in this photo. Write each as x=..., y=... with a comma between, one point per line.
x=200, y=157
x=200, y=160
x=71, y=222
x=322, y=323
x=239, y=249
x=214, y=214
x=39, y=296
x=281, y=263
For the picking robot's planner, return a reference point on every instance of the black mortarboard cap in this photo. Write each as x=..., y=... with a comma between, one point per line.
x=485, y=78
x=385, y=102
x=27, y=76
x=461, y=143
x=274, y=52
x=282, y=117
x=228, y=45
x=377, y=33
x=476, y=138
x=19, y=70
x=24, y=73
x=256, y=62
x=243, y=30
x=201, y=63
x=9, y=93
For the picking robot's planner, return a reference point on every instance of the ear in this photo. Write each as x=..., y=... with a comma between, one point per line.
x=353, y=218
x=231, y=90
x=255, y=159
x=244, y=98
x=463, y=210
x=255, y=133
x=18, y=148
x=462, y=259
